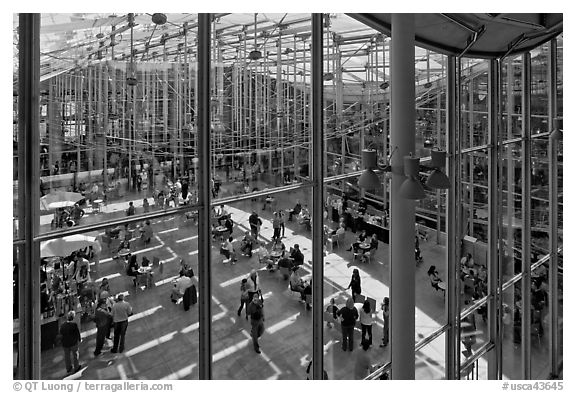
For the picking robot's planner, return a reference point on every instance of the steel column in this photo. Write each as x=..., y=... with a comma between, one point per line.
x=317, y=196
x=28, y=190
x=402, y=219
x=452, y=220
x=526, y=214
x=204, y=242
x=494, y=300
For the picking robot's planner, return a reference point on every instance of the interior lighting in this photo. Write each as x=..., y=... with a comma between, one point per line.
x=412, y=188
x=438, y=179
x=255, y=54
x=159, y=19
x=556, y=134
x=369, y=179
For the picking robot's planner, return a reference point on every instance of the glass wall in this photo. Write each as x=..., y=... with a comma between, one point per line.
x=119, y=171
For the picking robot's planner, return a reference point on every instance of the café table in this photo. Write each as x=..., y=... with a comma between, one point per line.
x=145, y=274
x=220, y=231
x=96, y=205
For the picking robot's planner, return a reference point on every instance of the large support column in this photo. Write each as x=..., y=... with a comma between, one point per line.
x=317, y=166
x=494, y=299
x=402, y=266
x=204, y=245
x=28, y=206
x=526, y=214
x=452, y=223
x=553, y=210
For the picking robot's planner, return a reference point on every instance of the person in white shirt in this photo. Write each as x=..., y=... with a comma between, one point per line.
x=228, y=251
x=366, y=321
x=180, y=287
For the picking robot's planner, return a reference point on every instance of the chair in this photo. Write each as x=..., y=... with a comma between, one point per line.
x=336, y=239
x=372, y=304
x=359, y=299
x=367, y=256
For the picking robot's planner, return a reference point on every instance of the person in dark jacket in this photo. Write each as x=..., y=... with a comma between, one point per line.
x=255, y=223
x=355, y=284
x=103, y=320
x=256, y=312
x=297, y=255
x=349, y=315
x=70, y=342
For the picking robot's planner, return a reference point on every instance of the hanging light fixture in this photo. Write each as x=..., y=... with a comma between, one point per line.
x=159, y=19
x=556, y=133
x=438, y=179
x=255, y=54
x=412, y=188
x=131, y=79
x=369, y=179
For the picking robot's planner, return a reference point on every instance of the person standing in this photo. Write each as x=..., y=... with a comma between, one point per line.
x=103, y=320
x=276, y=225
x=70, y=342
x=255, y=223
x=243, y=297
x=366, y=321
x=349, y=315
x=386, y=319
x=121, y=310
x=355, y=284
x=256, y=311
x=131, y=210
x=146, y=205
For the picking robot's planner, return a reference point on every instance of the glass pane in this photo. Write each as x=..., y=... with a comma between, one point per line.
x=511, y=182
x=512, y=332
x=345, y=254
x=145, y=264
x=430, y=360
x=511, y=98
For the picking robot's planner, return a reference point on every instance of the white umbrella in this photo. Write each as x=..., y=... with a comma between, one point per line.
x=57, y=205
x=59, y=196
x=65, y=245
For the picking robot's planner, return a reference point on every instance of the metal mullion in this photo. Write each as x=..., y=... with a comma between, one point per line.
x=526, y=215
x=204, y=242
x=495, y=302
x=28, y=190
x=452, y=225
x=317, y=196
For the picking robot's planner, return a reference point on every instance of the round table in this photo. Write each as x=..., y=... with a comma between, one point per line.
x=144, y=269
x=442, y=285
x=364, y=246
x=124, y=252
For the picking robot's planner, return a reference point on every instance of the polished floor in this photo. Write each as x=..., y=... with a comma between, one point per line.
x=162, y=338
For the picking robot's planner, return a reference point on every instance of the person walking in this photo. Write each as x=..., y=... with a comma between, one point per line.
x=70, y=341
x=355, y=284
x=243, y=297
x=366, y=321
x=386, y=319
x=103, y=320
x=252, y=284
x=349, y=315
x=256, y=311
x=121, y=310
